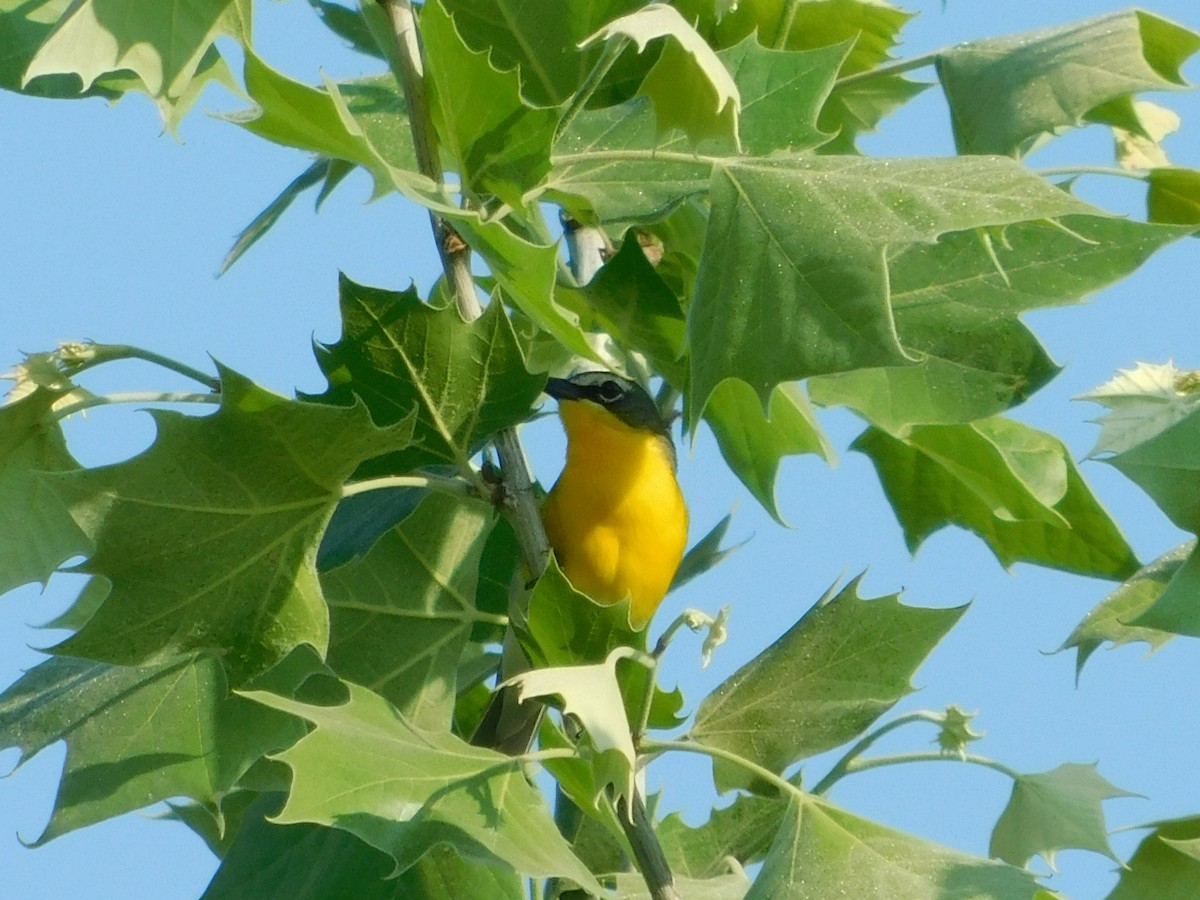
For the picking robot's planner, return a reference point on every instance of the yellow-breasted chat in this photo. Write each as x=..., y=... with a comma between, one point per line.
x=615, y=518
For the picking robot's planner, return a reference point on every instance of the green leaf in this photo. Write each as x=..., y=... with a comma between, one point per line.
x=782, y=94
x=24, y=27
x=690, y=87
x=326, y=172
x=1109, y=621
x=1015, y=487
x=348, y=24
x=845, y=663
x=707, y=553
x=1142, y=403
x=793, y=280
x=1174, y=196
x=744, y=831
x=403, y=790
x=500, y=145
x=1006, y=93
x=167, y=44
x=957, y=305
x=822, y=851
x=218, y=826
x=730, y=886
x=209, y=538
x=136, y=736
x=37, y=532
x=754, y=444
x=1165, y=865
x=857, y=107
x=465, y=380
x=399, y=617
x=311, y=862
x=1052, y=811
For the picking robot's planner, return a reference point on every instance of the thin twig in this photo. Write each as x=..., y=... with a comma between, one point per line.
x=134, y=397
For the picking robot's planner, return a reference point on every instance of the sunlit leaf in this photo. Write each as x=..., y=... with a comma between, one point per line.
x=822, y=851
x=1165, y=866
x=365, y=769
x=136, y=736
x=744, y=831
x=1004, y=93
x=1142, y=402
x=1052, y=811
x=1015, y=487
x=209, y=538
x=729, y=886
x=844, y=664
x=37, y=532
x=1142, y=149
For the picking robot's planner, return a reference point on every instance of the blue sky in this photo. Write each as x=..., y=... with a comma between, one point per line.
x=113, y=231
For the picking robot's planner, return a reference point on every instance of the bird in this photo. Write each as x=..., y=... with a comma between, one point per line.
x=615, y=518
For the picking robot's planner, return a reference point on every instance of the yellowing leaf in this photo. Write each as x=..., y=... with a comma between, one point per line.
x=1143, y=149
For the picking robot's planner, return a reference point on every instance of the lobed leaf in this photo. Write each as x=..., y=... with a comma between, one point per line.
x=37, y=533
x=1166, y=864
x=744, y=831
x=1051, y=811
x=845, y=663
x=1015, y=487
x=209, y=538
x=136, y=736
x=1173, y=195
x=365, y=769
x=1006, y=93
x=1142, y=403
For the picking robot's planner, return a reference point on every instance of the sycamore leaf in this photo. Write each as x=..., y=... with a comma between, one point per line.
x=705, y=554
x=1174, y=196
x=500, y=145
x=24, y=27
x=592, y=695
x=362, y=519
x=348, y=24
x=1142, y=402
x=466, y=380
x=167, y=44
x=37, y=532
x=399, y=617
x=364, y=768
x=957, y=305
x=1142, y=149
x=1015, y=487
x=326, y=172
x=690, y=87
x=754, y=444
x=1109, y=621
x=286, y=862
x=209, y=538
x=1165, y=866
x=729, y=886
x=1005, y=93
x=845, y=663
x=1052, y=811
x=136, y=736
x=218, y=825
x=539, y=38
x=793, y=280
x=743, y=830
x=822, y=851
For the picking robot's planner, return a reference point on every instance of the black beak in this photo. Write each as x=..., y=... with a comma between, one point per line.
x=563, y=389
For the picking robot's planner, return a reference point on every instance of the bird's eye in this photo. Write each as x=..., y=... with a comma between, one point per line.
x=609, y=391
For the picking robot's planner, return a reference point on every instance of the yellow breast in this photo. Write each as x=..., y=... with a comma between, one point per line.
x=616, y=517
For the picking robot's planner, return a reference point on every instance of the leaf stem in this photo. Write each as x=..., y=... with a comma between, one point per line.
x=135, y=397
x=653, y=745
x=608, y=58
x=845, y=765
x=898, y=67
x=96, y=354
x=441, y=484
x=862, y=765
x=1114, y=171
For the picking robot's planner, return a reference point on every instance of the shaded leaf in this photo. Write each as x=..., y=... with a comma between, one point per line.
x=1142, y=402
x=730, y=886
x=1174, y=196
x=1015, y=487
x=312, y=862
x=744, y=830
x=37, y=532
x=367, y=770
x=1052, y=811
x=707, y=553
x=845, y=663
x=396, y=353
x=349, y=25
x=399, y=617
x=1005, y=93
x=209, y=538
x=1109, y=621
x=1165, y=865
x=793, y=281
x=957, y=305
x=822, y=851
x=136, y=736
